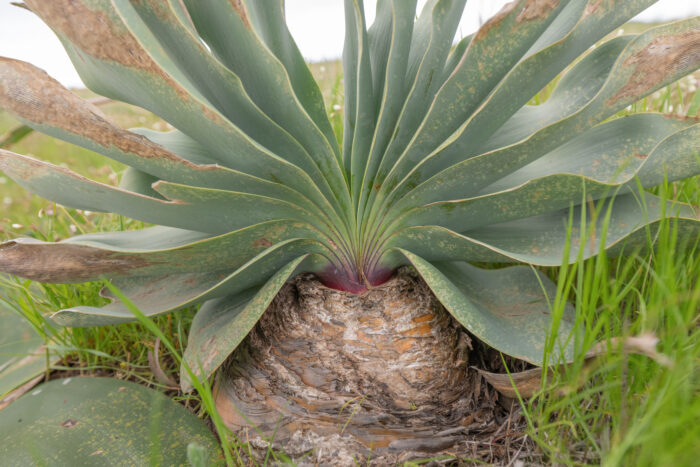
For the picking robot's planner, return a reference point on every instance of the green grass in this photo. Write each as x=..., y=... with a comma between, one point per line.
x=618, y=409
x=628, y=409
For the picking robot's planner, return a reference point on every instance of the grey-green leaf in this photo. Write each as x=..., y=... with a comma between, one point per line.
x=23, y=355
x=221, y=324
x=187, y=207
x=143, y=253
x=164, y=293
x=623, y=221
x=98, y=422
x=509, y=309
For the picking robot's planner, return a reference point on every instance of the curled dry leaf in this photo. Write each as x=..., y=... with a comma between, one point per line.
x=528, y=382
x=154, y=364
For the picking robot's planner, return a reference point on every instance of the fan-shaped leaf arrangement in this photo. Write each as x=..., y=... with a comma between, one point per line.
x=443, y=162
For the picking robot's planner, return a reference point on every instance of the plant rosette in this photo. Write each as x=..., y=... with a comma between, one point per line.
x=360, y=251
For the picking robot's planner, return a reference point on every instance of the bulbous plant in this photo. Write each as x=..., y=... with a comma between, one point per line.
x=442, y=163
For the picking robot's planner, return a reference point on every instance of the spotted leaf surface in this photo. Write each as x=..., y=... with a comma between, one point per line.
x=100, y=421
x=442, y=159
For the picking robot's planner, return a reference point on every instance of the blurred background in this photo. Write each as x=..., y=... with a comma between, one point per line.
x=317, y=25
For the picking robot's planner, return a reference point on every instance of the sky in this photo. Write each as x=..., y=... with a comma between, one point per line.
x=317, y=26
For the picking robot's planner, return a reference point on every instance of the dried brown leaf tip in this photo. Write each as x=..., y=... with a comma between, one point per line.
x=240, y=9
x=64, y=262
x=644, y=344
x=531, y=9
x=664, y=57
x=22, y=167
x=30, y=93
x=33, y=95
x=94, y=31
x=19, y=5
x=495, y=20
x=534, y=9
x=100, y=34
x=592, y=7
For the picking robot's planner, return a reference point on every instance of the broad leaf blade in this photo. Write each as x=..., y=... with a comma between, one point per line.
x=493, y=51
x=580, y=24
x=143, y=253
x=618, y=91
x=575, y=90
x=23, y=355
x=188, y=207
x=438, y=22
x=155, y=295
x=389, y=91
x=213, y=175
x=542, y=240
x=226, y=28
x=100, y=421
x=510, y=158
x=360, y=113
x=431, y=40
x=222, y=87
x=456, y=56
x=509, y=309
x=220, y=325
x=135, y=69
x=267, y=16
x=217, y=83
x=617, y=151
x=629, y=153
x=40, y=101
